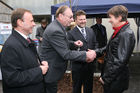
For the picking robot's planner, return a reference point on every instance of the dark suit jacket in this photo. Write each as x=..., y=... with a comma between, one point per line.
x=100, y=37
x=89, y=43
x=19, y=65
x=55, y=50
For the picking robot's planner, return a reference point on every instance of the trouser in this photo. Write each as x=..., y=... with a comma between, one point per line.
x=84, y=78
x=51, y=87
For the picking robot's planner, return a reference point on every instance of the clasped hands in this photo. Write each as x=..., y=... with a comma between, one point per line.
x=90, y=54
x=44, y=67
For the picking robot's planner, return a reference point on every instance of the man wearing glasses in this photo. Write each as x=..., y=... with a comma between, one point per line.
x=55, y=48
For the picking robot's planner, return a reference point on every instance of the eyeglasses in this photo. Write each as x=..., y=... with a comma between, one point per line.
x=70, y=17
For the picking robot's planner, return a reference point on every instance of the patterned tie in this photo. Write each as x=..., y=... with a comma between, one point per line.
x=28, y=39
x=83, y=32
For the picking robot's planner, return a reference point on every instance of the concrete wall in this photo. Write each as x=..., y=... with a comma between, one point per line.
x=5, y=13
x=38, y=7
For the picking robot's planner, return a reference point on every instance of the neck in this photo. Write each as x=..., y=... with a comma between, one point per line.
x=60, y=21
x=120, y=23
x=21, y=30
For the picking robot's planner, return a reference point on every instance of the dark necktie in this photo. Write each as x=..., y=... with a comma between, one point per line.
x=28, y=39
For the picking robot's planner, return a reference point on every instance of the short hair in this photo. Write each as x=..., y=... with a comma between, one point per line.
x=61, y=10
x=79, y=13
x=119, y=10
x=44, y=21
x=18, y=14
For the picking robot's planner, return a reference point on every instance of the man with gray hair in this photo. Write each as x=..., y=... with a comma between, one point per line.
x=56, y=48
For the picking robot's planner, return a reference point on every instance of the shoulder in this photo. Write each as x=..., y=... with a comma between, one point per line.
x=38, y=28
x=94, y=26
x=103, y=26
x=127, y=32
x=89, y=29
x=52, y=28
x=11, y=42
x=73, y=30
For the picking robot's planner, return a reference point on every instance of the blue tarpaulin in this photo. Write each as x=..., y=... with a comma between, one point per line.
x=99, y=6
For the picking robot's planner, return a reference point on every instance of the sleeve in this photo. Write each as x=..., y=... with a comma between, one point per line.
x=12, y=72
x=100, y=51
x=60, y=44
x=120, y=56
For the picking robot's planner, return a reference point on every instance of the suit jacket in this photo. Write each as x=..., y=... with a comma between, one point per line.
x=55, y=50
x=19, y=65
x=101, y=35
x=88, y=43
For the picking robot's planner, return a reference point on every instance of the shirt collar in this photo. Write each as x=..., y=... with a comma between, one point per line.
x=22, y=34
x=80, y=28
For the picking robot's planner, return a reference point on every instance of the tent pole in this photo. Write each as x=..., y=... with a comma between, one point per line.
x=52, y=17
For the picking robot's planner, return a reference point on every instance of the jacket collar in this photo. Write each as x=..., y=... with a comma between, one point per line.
x=22, y=39
x=60, y=25
x=122, y=29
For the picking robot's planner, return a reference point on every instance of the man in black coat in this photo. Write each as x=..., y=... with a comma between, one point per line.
x=82, y=72
x=20, y=66
x=115, y=75
x=100, y=32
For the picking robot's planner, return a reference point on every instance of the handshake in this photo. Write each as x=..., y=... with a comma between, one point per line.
x=90, y=55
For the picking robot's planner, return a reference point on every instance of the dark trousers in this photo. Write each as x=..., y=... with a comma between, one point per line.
x=84, y=78
x=51, y=87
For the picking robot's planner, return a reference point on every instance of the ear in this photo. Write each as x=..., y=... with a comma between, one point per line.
x=19, y=22
x=60, y=16
x=120, y=18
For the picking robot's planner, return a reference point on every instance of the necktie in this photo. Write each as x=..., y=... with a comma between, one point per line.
x=83, y=32
x=28, y=39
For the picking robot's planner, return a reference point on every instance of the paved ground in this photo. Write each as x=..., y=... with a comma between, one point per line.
x=134, y=86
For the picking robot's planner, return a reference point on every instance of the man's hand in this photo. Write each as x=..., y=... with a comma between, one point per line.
x=101, y=80
x=78, y=43
x=44, y=67
x=90, y=55
x=41, y=38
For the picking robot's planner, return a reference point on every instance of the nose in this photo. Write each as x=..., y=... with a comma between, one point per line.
x=72, y=19
x=34, y=24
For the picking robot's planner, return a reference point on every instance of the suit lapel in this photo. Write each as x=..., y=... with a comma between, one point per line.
x=87, y=34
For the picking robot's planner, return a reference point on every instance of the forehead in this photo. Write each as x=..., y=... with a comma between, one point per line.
x=110, y=15
x=27, y=15
x=68, y=11
x=81, y=17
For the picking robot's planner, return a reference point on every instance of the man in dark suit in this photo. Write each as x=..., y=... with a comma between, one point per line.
x=21, y=70
x=100, y=32
x=56, y=48
x=82, y=72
